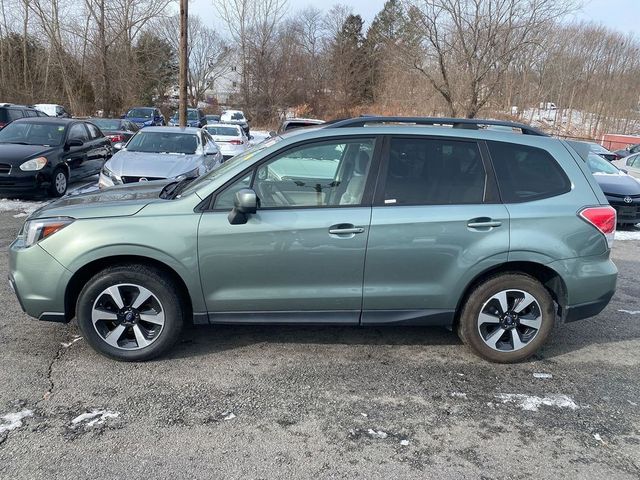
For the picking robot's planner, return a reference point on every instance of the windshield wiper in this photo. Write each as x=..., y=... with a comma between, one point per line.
x=173, y=189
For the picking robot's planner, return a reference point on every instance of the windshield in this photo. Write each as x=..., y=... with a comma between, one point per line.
x=191, y=115
x=140, y=113
x=163, y=142
x=233, y=116
x=106, y=123
x=223, y=131
x=598, y=148
x=597, y=164
x=31, y=133
x=230, y=164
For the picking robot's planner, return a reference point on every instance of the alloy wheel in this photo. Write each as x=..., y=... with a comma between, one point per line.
x=509, y=320
x=61, y=183
x=128, y=316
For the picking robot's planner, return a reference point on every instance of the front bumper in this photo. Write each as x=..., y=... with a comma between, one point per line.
x=19, y=183
x=38, y=281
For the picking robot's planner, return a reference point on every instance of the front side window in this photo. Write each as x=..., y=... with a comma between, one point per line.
x=526, y=173
x=78, y=132
x=93, y=131
x=423, y=171
x=319, y=175
x=32, y=133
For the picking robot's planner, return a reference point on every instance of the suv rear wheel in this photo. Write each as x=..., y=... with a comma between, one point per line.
x=507, y=318
x=130, y=313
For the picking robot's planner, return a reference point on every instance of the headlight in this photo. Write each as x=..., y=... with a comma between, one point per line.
x=35, y=230
x=108, y=178
x=148, y=122
x=33, y=164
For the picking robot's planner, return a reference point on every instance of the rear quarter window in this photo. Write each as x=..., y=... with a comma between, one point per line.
x=526, y=173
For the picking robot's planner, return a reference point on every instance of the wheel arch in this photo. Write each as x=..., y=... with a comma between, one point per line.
x=84, y=274
x=547, y=276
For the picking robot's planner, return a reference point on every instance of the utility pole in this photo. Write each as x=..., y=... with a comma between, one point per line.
x=184, y=60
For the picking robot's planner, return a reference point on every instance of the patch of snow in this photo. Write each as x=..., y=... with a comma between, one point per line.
x=7, y=205
x=542, y=375
x=632, y=403
x=364, y=414
x=19, y=215
x=11, y=421
x=95, y=417
x=627, y=235
x=598, y=437
x=258, y=136
x=630, y=312
x=459, y=395
x=71, y=342
x=228, y=416
x=404, y=443
x=532, y=402
x=379, y=434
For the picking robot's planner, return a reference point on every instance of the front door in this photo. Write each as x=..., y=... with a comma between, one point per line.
x=77, y=157
x=436, y=223
x=300, y=258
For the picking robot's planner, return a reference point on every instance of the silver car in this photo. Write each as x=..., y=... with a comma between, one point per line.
x=160, y=153
x=230, y=138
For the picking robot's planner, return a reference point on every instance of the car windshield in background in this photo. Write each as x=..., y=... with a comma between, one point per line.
x=161, y=142
x=106, y=123
x=223, y=131
x=33, y=133
x=192, y=115
x=597, y=164
x=140, y=113
x=237, y=116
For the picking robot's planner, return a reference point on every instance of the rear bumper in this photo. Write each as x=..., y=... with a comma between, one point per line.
x=587, y=310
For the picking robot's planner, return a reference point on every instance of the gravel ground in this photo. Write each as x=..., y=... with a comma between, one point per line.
x=323, y=402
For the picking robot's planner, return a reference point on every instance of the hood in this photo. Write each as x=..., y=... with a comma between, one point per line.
x=152, y=165
x=618, y=184
x=118, y=201
x=14, y=154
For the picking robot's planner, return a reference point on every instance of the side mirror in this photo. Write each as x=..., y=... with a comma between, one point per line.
x=272, y=133
x=74, y=142
x=210, y=150
x=624, y=171
x=118, y=146
x=245, y=204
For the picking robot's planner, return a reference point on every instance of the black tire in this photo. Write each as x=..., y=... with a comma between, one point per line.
x=469, y=330
x=156, y=281
x=59, y=182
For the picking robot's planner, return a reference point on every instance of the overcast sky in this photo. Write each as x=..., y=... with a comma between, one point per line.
x=619, y=14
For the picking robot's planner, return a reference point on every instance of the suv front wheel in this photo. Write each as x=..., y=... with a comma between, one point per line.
x=130, y=313
x=507, y=318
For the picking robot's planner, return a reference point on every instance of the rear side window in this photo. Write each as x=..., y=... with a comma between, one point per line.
x=526, y=173
x=425, y=171
x=31, y=113
x=10, y=114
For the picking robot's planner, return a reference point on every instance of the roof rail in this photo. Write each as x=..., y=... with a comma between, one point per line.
x=469, y=123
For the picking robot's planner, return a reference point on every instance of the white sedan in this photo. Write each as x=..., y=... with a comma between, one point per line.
x=230, y=138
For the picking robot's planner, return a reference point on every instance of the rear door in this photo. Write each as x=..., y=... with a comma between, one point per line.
x=99, y=149
x=300, y=258
x=436, y=223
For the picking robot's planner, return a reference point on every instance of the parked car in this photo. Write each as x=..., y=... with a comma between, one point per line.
x=53, y=110
x=293, y=123
x=212, y=119
x=160, y=153
x=145, y=117
x=498, y=235
x=630, y=164
x=118, y=130
x=43, y=154
x=10, y=112
x=603, y=152
x=622, y=190
x=195, y=118
x=230, y=138
x=236, y=117
x=630, y=150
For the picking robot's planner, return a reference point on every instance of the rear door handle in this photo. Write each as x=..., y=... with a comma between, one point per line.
x=345, y=229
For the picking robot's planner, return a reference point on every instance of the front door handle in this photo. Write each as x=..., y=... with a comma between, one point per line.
x=483, y=223
x=345, y=229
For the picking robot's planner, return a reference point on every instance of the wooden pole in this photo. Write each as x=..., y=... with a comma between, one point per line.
x=184, y=60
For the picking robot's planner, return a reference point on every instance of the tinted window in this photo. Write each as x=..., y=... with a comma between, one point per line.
x=31, y=113
x=526, y=173
x=32, y=133
x=93, y=131
x=434, y=172
x=13, y=114
x=77, y=131
x=316, y=176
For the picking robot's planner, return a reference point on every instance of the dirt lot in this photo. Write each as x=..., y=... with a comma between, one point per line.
x=294, y=402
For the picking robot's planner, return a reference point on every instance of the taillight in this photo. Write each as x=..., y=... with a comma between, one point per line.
x=236, y=142
x=603, y=218
x=116, y=138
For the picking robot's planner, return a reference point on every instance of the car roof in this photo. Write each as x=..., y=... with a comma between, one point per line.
x=310, y=120
x=192, y=130
x=60, y=121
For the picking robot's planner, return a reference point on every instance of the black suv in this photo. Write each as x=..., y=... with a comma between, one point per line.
x=10, y=112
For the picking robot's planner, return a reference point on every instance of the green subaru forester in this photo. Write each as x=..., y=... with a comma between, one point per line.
x=369, y=221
